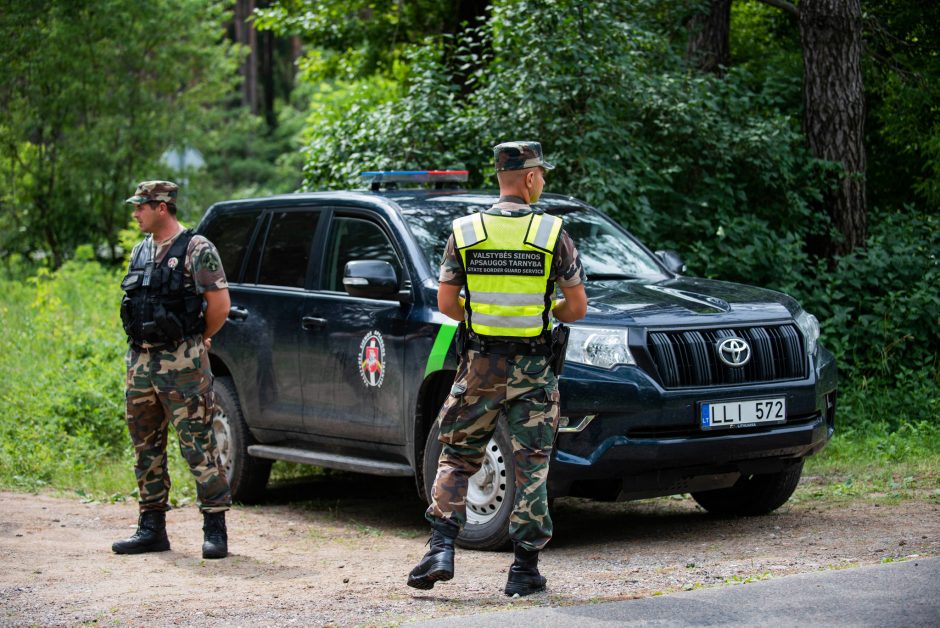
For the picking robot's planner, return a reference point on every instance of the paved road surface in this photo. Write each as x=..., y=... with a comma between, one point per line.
x=896, y=594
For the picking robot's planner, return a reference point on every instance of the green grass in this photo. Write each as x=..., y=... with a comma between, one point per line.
x=876, y=462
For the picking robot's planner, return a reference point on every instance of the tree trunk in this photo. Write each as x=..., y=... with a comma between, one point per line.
x=834, y=118
x=266, y=58
x=708, y=48
x=247, y=35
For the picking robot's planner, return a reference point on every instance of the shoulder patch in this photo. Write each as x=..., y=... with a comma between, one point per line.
x=210, y=261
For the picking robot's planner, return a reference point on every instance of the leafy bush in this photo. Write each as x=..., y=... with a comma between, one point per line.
x=881, y=304
x=60, y=360
x=715, y=168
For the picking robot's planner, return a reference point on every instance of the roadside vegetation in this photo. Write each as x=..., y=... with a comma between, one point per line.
x=712, y=164
x=62, y=406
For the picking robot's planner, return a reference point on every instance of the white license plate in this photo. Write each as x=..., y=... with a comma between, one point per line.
x=715, y=415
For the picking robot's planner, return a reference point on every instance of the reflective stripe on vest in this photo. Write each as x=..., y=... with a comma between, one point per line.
x=469, y=230
x=543, y=232
x=508, y=261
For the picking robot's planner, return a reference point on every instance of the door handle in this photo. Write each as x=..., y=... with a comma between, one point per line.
x=312, y=322
x=237, y=313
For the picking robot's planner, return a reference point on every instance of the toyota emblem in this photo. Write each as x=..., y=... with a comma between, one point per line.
x=734, y=351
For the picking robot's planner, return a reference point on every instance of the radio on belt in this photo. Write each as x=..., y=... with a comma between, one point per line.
x=391, y=178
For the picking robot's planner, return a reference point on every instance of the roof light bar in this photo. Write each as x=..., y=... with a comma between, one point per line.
x=379, y=177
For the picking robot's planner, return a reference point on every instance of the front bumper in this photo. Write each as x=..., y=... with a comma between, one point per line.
x=646, y=441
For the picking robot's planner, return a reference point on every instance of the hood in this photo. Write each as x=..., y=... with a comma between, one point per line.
x=684, y=301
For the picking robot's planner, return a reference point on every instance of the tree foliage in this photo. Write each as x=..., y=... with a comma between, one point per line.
x=91, y=95
x=715, y=167
x=352, y=39
x=681, y=159
x=902, y=79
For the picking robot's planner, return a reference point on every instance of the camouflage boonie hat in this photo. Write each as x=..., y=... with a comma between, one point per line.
x=519, y=155
x=154, y=191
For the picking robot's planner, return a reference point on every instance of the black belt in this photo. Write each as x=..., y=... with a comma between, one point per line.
x=158, y=346
x=500, y=347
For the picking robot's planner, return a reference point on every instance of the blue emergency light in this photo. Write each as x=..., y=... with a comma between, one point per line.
x=390, y=178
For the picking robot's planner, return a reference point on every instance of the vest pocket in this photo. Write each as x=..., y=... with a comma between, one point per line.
x=132, y=280
x=176, y=281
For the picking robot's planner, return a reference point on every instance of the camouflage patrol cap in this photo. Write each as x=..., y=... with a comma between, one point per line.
x=154, y=191
x=519, y=155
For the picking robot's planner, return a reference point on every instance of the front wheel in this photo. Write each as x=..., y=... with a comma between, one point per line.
x=491, y=491
x=755, y=494
x=247, y=476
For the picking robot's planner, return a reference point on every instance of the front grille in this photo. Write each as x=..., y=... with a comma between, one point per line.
x=686, y=359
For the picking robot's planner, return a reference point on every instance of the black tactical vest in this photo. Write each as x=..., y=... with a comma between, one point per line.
x=157, y=308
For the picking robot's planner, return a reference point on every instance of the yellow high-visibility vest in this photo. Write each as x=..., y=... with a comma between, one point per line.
x=508, y=260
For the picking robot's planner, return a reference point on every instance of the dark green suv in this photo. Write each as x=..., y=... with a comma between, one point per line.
x=335, y=355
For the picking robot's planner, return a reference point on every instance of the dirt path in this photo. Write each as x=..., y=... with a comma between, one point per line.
x=337, y=550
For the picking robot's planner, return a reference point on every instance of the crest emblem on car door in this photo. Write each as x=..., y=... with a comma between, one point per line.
x=372, y=359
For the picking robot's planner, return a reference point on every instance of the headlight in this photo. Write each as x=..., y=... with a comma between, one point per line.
x=810, y=328
x=598, y=346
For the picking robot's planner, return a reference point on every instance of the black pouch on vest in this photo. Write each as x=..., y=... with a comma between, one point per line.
x=176, y=281
x=132, y=280
x=169, y=324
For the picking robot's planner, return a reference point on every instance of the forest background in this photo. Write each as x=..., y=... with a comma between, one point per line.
x=790, y=145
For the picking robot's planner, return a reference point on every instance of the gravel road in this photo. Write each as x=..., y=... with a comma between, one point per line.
x=335, y=550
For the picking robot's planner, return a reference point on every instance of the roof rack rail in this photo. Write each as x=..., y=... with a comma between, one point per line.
x=391, y=178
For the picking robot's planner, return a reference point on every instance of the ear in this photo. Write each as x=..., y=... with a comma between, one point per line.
x=530, y=178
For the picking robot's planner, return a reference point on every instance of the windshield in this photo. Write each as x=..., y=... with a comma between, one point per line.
x=606, y=251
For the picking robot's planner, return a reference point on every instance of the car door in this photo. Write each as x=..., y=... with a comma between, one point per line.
x=353, y=348
x=270, y=304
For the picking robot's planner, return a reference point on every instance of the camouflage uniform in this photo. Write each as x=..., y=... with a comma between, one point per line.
x=173, y=383
x=523, y=389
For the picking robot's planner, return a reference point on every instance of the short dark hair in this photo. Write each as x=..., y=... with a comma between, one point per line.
x=170, y=207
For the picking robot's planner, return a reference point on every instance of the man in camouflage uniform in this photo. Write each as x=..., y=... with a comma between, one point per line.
x=505, y=370
x=176, y=298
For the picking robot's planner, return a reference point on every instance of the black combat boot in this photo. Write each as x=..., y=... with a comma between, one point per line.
x=150, y=535
x=524, y=576
x=438, y=564
x=215, y=536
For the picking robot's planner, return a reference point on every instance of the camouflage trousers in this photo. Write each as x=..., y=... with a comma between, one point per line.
x=525, y=391
x=173, y=385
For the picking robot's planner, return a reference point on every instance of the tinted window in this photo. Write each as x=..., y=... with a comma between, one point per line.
x=355, y=239
x=606, y=252
x=287, y=248
x=230, y=234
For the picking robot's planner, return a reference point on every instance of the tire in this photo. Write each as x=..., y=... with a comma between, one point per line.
x=247, y=476
x=490, y=494
x=752, y=495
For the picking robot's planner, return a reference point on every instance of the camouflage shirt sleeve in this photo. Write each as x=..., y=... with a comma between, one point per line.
x=205, y=265
x=452, y=271
x=567, y=270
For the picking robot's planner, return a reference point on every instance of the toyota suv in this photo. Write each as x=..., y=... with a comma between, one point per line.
x=335, y=355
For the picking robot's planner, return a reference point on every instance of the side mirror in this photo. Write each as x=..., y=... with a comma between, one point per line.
x=370, y=279
x=673, y=261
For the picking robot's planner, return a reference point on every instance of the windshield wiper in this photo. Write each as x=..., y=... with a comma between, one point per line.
x=606, y=276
